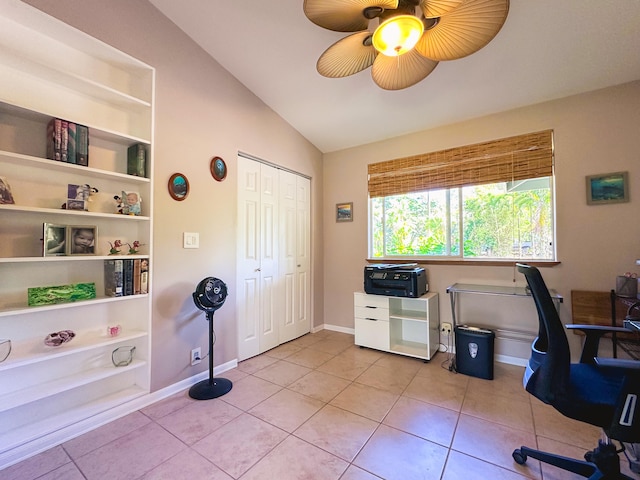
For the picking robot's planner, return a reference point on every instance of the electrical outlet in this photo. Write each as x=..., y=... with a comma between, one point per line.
x=196, y=356
x=445, y=328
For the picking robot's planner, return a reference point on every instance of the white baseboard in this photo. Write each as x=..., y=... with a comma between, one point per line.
x=50, y=440
x=334, y=328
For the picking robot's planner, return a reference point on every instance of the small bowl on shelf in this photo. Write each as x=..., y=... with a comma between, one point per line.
x=5, y=348
x=123, y=356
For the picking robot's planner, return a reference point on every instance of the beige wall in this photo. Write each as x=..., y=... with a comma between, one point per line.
x=594, y=133
x=201, y=111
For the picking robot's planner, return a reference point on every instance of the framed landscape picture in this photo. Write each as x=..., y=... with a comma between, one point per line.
x=608, y=188
x=344, y=212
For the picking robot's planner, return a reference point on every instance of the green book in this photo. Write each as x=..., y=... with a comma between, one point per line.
x=137, y=160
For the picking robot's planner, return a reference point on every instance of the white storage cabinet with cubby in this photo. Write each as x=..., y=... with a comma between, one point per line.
x=406, y=326
x=49, y=69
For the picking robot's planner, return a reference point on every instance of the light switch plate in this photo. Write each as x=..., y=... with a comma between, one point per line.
x=191, y=240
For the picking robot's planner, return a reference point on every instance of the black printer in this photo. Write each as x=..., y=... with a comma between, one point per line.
x=399, y=280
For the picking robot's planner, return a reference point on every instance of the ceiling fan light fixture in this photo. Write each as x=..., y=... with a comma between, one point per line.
x=397, y=35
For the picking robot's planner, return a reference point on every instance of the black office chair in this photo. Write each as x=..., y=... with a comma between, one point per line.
x=601, y=392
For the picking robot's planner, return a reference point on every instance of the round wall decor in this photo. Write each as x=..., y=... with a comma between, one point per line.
x=178, y=187
x=218, y=168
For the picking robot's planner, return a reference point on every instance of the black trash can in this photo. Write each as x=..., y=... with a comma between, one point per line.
x=474, y=351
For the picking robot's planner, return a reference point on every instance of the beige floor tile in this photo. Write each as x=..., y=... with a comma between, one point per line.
x=337, y=431
x=282, y=372
x=320, y=386
x=428, y=421
x=447, y=395
x=395, y=455
x=463, y=467
x=510, y=388
x=399, y=363
x=199, y=419
x=168, y=405
x=355, y=473
x=107, y=433
x=283, y=351
x=66, y=472
x=387, y=379
x=310, y=358
x=366, y=401
x=132, y=455
x=510, y=411
x=295, y=459
x=307, y=340
x=254, y=364
x=249, y=392
x=366, y=355
x=286, y=409
x=240, y=444
x=334, y=346
x=37, y=465
x=494, y=444
x=233, y=375
x=346, y=367
x=187, y=464
x=552, y=424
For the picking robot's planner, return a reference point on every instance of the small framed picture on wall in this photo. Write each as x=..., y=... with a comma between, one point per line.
x=344, y=212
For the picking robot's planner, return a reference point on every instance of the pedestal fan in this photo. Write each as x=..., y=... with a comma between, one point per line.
x=209, y=296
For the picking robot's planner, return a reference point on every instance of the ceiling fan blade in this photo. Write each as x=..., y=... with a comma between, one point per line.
x=438, y=8
x=347, y=56
x=465, y=30
x=343, y=15
x=396, y=73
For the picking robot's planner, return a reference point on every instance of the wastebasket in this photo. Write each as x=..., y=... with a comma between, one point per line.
x=474, y=351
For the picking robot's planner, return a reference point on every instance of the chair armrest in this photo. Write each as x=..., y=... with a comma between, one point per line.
x=593, y=334
x=618, y=363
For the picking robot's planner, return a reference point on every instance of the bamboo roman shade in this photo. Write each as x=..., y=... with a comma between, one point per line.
x=508, y=159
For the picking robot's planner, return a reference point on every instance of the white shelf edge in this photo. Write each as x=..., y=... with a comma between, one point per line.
x=60, y=385
x=416, y=349
x=408, y=316
x=94, y=130
x=14, y=438
x=23, y=310
x=69, y=258
x=73, y=213
x=21, y=159
x=48, y=353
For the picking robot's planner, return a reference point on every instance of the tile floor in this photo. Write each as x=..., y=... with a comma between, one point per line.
x=321, y=408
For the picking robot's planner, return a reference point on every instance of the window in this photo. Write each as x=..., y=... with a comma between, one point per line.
x=487, y=201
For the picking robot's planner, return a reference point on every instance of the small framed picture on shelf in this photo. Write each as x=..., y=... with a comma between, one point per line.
x=6, y=197
x=78, y=197
x=131, y=203
x=81, y=239
x=54, y=239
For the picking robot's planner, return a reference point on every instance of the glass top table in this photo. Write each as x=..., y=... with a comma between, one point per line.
x=502, y=290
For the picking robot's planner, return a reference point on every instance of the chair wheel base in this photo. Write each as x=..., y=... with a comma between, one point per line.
x=519, y=457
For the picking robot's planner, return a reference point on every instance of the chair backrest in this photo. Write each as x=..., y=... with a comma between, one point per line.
x=551, y=379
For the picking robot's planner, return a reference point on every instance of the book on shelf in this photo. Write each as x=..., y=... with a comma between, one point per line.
x=64, y=141
x=144, y=276
x=113, y=280
x=127, y=288
x=137, y=160
x=54, y=139
x=82, y=145
x=71, y=143
x=136, y=276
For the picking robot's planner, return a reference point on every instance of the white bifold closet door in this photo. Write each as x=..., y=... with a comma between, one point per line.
x=273, y=287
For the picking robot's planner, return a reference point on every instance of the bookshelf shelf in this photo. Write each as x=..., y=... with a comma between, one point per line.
x=57, y=392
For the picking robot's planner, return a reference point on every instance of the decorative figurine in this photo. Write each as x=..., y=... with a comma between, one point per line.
x=114, y=247
x=133, y=249
x=56, y=339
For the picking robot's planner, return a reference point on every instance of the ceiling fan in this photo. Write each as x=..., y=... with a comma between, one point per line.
x=411, y=37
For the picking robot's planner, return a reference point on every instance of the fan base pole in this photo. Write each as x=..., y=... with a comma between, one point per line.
x=206, y=390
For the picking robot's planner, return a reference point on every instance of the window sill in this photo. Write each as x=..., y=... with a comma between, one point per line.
x=475, y=263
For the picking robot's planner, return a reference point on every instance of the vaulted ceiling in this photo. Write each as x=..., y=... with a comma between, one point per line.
x=547, y=49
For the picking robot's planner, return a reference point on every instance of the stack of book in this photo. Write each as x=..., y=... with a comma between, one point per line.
x=126, y=276
x=67, y=142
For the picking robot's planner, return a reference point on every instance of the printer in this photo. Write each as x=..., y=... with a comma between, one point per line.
x=399, y=280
